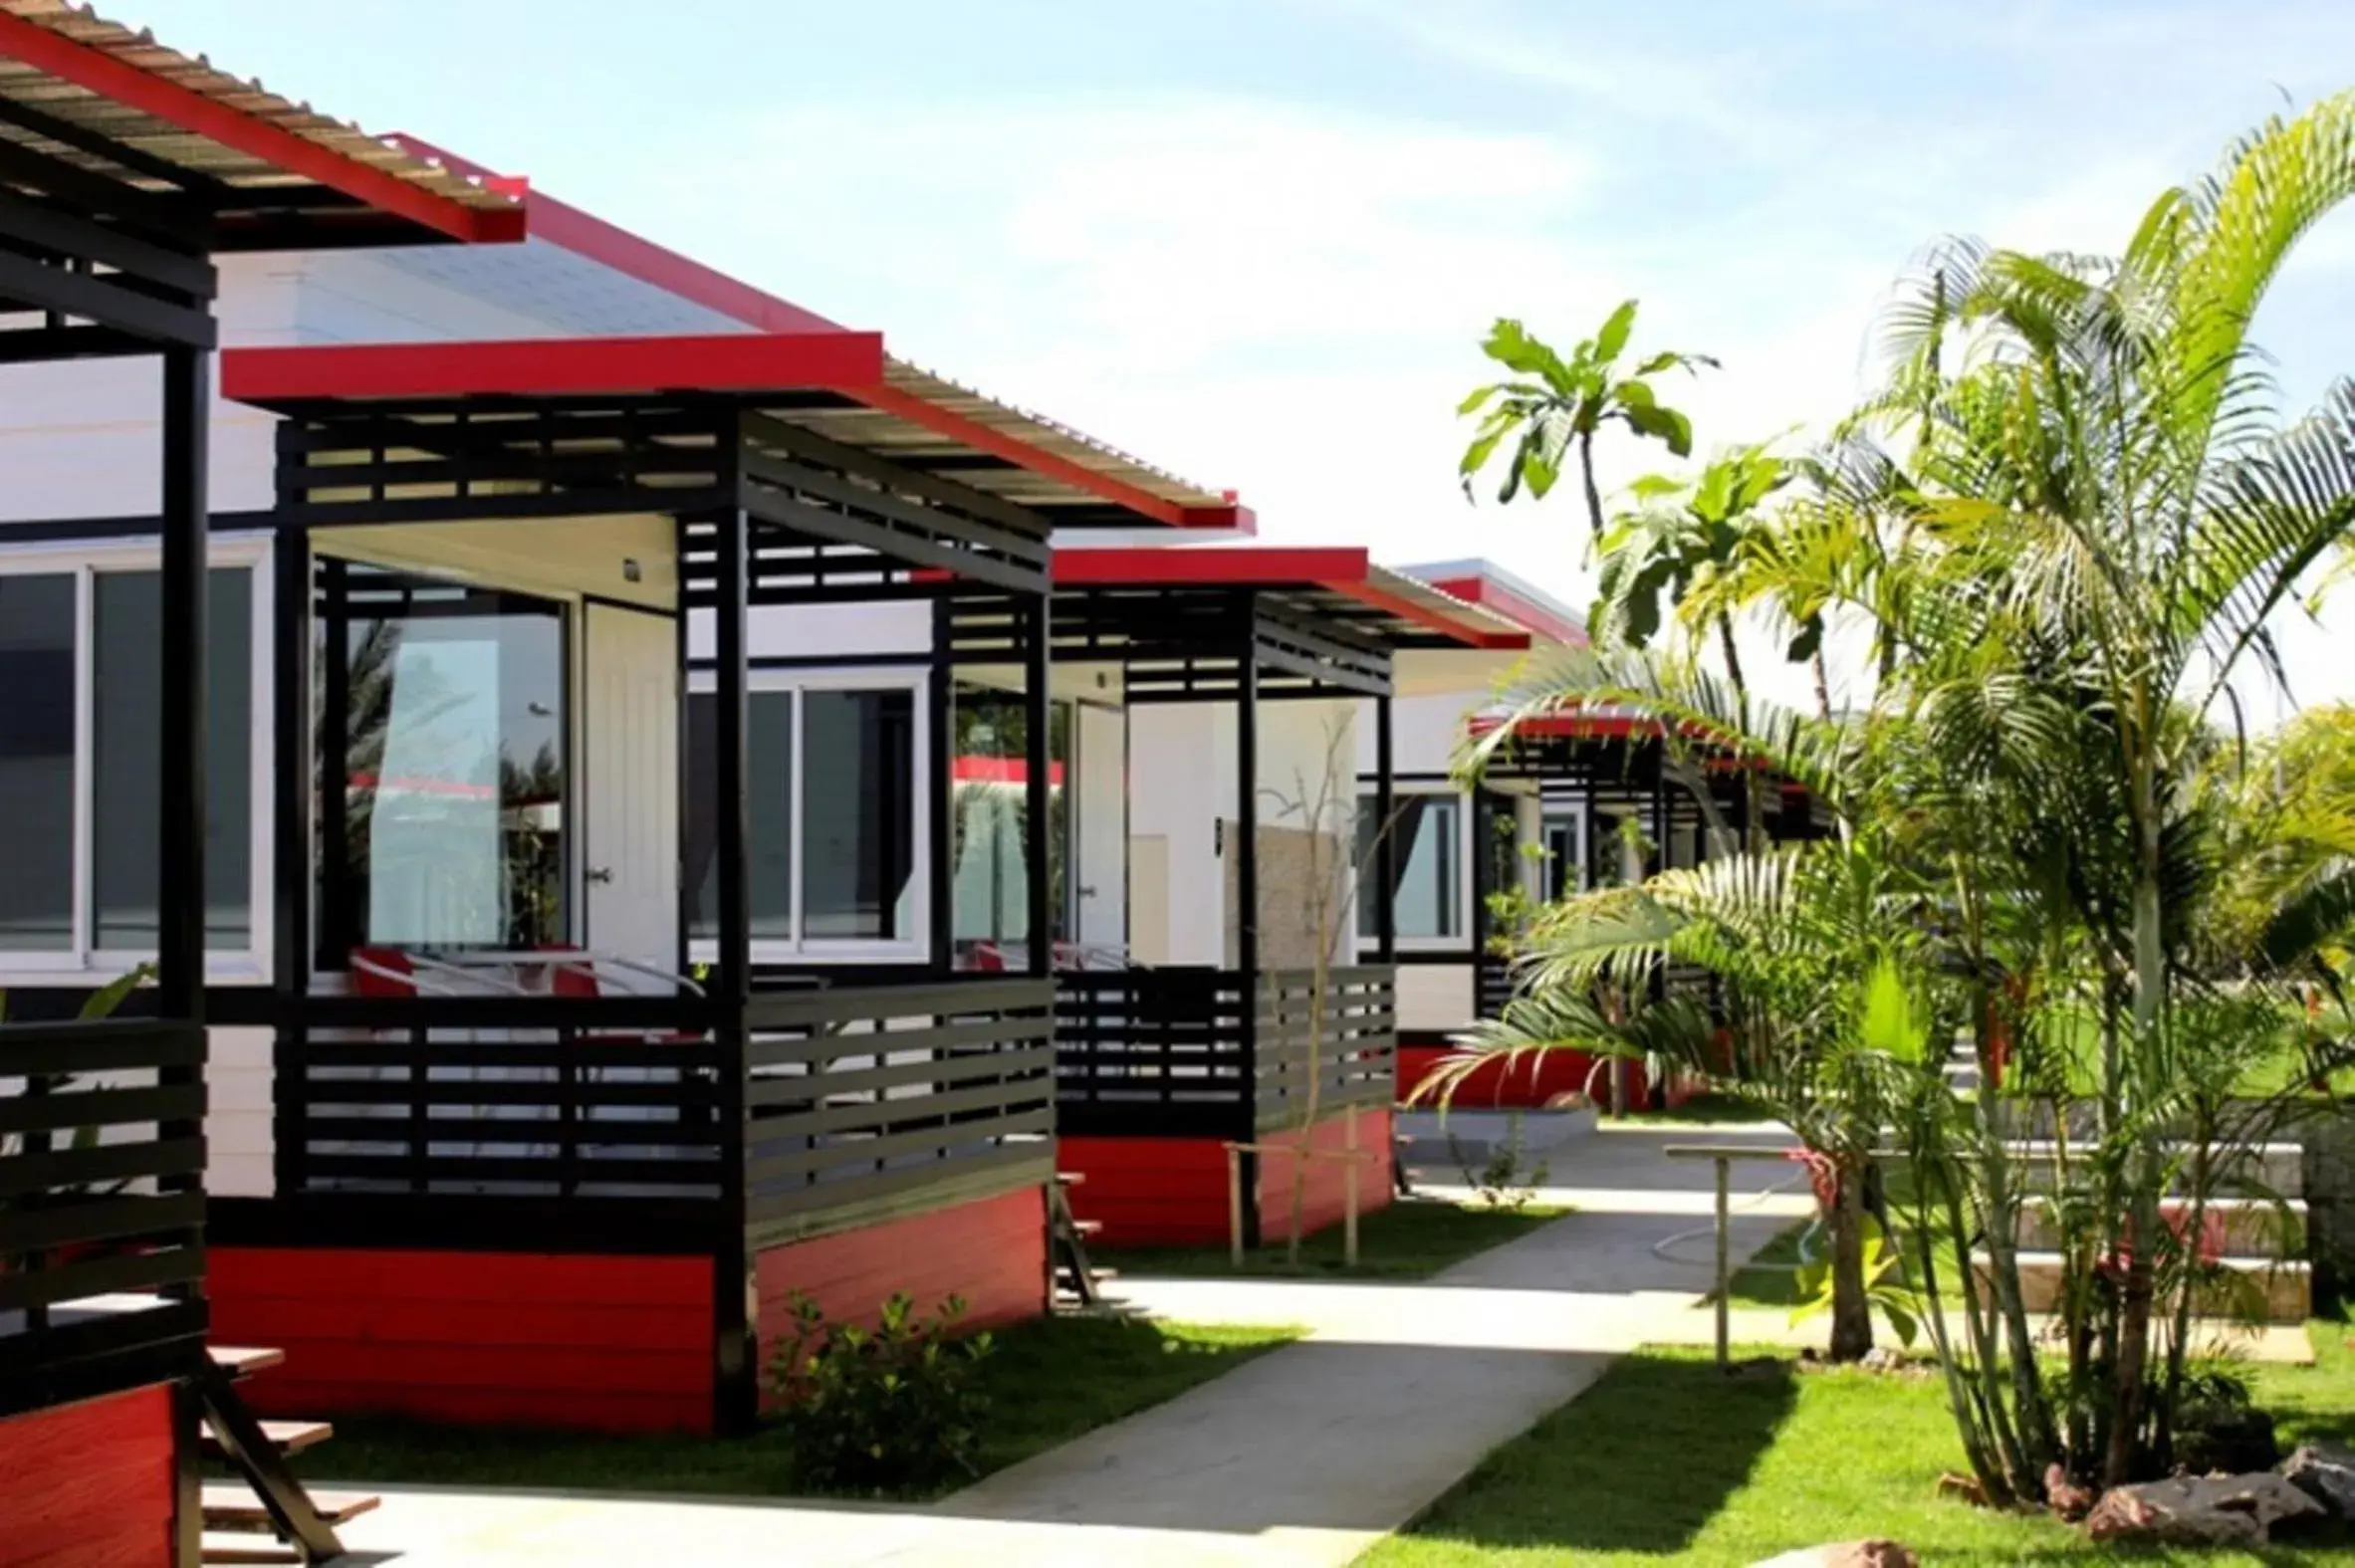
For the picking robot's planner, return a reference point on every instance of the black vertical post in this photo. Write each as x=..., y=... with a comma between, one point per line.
x=940, y=789
x=683, y=723
x=338, y=916
x=1246, y=850
x=1385, y=866
x=179, y=779
x=1038, y=714
x=1483, y=836
x=735, y=1385
x=181, y=909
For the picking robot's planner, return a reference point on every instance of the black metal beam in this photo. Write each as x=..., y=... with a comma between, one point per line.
x=735, y=1359
x=47, y=287
x=1385, y=866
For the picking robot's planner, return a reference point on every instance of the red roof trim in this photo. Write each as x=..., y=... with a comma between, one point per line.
x=1513, y=606
x=609, y=245
x=834, y=360
x=1339, y=570
x=941, y=421
x=111, y=78
x=1436, y=619
x=1158, y=564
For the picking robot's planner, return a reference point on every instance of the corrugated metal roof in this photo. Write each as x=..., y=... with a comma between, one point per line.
x=147, y=114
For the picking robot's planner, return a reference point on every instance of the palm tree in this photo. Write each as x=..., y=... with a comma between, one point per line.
x=1692, y=543
x=1555, y=407
x=2067, y=520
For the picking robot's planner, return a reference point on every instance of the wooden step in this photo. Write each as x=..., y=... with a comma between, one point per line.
x=289, y=1436
x=246, y=1549
x=243, y=1361
x=2285, y=1288
x=2236, y=1227
x=231, y=1506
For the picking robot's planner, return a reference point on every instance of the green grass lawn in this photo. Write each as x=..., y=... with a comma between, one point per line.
x=1411, y=1239
x=1702, y=1110
x=1666, y=1462
x=1048, y=1381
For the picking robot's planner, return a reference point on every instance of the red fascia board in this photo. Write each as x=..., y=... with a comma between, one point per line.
x=1495, y=595
x=1155, y=565
x=907, y=405
x=748, y=363
x=609, y=245
x=1431, y=618
x=109, y=77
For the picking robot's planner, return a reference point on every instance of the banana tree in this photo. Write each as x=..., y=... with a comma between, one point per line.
x=1554, y=405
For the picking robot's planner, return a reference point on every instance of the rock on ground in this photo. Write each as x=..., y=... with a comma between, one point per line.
x=2200, y=1510
x=2327, y=1475
x=1846, y=1554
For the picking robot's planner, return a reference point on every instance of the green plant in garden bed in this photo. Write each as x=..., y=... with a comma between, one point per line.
x=1411, y=1239
x=1666, y=1462
x=1044, y=1383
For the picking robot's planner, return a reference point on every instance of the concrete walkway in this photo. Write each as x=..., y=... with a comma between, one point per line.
x=1304, y=1457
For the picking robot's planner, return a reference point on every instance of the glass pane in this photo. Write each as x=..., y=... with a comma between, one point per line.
x=126, y=677
x=769, y=779
x=990, y=813
x=1429, y=896
x=858, y=813
x=453, y=733
x=37, y=764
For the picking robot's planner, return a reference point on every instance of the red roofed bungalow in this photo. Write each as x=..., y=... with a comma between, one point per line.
x=1207, y=1003
x=496, y=1080
x=126, y=167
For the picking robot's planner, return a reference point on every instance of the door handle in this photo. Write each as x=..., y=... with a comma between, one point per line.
x=602, y=874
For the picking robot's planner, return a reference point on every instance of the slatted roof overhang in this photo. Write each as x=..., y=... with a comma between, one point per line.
x=146, y=135
x=1316, y=623
x=1490, y=586
x=836, y=384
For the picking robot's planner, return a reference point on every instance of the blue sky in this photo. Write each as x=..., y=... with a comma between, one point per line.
x=1256, y=240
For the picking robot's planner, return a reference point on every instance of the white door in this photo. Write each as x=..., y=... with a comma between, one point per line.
x=1148, y=898
x=630, y=856
x=1099, y=842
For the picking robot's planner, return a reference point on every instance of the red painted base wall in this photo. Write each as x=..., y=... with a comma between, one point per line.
x=617, y=1344
x=90, y=1485
x=1173, y=1192
x=1533, y=1080
x=992, y=1253
x=1324, y=1202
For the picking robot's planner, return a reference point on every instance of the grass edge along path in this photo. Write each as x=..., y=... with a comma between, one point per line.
x=1664, y=1461
x=1407, y=1239
x=1048, y=1381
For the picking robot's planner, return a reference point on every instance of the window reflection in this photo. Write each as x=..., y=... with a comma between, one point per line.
x=447, y=705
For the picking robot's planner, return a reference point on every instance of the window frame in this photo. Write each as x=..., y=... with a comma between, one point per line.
x=84, y=962
x=1461, y=940
x=800, y=948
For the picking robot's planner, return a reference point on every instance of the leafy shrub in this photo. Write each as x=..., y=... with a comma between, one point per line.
x=892, y=1408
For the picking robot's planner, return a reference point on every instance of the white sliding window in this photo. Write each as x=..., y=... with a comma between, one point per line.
x=835, y=858
x=81, y=691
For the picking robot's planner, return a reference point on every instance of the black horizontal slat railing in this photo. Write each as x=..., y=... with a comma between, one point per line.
x=609, y=1099
x=1324, y=1045
x=1153, y=1052
x=865, y=1102
x=101, y=1208
x=1492, y=983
